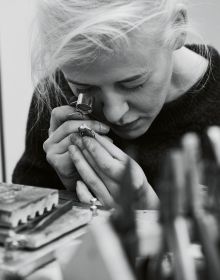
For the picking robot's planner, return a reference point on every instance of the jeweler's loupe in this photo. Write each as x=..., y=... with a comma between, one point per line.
x=83, y=104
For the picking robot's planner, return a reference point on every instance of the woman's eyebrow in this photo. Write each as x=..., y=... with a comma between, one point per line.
x=129, y=79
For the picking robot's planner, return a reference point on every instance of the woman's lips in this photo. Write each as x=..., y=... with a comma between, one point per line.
x=127, y=126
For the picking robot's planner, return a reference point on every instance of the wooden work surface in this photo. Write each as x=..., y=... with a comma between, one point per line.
x=26, y=262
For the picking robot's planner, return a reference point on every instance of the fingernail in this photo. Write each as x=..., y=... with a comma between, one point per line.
x=86, y=141
x=75, y=114
x=75, y=139
x=104, y=127
x=72, y=149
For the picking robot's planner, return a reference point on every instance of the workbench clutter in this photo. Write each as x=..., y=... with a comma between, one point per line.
x=190, y=212
x=57, y=234
x=34, y=225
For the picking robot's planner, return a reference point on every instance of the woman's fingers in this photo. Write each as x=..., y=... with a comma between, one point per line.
x=63, y=113
x=59, y=115
x=90, y=177
x=72, y=126
x=109, y=183
x=77, y=140
x=64, y=167
x=62, y=146
x=109, y=165
x=61, y=162
x=83, y=192
x=107, y=138
x=69, y=127
x=57, y=148
x=98, y=156
x=111, y=148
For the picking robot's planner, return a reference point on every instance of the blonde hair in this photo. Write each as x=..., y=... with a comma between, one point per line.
x=77, y=30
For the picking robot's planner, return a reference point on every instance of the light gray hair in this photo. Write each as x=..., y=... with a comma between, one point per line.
x=77, y=30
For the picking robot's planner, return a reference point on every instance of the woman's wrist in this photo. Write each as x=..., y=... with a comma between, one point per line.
x=147, y=198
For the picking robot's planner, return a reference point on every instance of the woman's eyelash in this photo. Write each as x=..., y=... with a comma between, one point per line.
x=135, y=88
x=91, y=89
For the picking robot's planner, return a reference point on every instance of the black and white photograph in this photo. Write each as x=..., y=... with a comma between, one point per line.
x=109, y=140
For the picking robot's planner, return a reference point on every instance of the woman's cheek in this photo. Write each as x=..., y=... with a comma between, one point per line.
x=152, y=96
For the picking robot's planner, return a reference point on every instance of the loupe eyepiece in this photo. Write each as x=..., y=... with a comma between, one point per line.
x=83, y=104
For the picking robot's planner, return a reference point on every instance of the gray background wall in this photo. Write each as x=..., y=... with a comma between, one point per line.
x=205, y=18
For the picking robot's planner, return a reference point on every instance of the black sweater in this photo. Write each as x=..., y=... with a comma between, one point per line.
x=197, y=109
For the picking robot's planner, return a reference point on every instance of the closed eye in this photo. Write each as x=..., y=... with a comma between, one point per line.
x=138, y=83
x=134, y=88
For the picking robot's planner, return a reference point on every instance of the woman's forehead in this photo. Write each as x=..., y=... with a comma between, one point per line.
x=108, y=72
x=129, y=61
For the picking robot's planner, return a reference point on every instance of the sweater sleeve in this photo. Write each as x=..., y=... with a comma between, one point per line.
x=33, y=168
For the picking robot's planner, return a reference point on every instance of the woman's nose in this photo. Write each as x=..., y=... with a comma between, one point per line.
x=114, y=108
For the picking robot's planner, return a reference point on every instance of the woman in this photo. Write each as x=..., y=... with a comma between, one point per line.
x=148, y=90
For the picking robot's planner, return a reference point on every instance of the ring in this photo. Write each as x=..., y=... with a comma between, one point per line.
x=84, y=130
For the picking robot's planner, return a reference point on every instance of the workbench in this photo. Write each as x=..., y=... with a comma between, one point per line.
x=46, y=262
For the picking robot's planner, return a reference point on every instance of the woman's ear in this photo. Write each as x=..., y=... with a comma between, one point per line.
x=179, y=26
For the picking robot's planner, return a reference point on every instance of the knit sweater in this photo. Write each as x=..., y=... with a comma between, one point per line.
x=195, y=110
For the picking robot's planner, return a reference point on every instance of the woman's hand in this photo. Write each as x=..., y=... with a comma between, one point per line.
x=101, y=166
x=64, y=121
